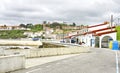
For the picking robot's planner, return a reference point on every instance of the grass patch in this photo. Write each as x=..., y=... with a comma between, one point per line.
x=48, y=45
x=13, y=34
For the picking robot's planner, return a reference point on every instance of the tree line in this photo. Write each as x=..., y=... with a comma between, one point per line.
x=36, y=27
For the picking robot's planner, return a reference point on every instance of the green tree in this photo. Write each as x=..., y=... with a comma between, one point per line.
x=44, y=22
x=22, y=25
x=30, y=25
x=73, y=24
x=54, y=24
x=37, y=27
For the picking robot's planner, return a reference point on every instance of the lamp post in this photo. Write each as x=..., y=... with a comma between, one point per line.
x=63, y=31
x=63, y=35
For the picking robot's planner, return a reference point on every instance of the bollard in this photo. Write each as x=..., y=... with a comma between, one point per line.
x=110, y=44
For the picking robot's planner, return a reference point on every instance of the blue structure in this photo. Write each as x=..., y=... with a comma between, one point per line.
x=35, y=39
x=115, y=45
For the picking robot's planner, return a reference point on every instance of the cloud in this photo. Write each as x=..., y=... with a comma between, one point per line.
x=78, y=11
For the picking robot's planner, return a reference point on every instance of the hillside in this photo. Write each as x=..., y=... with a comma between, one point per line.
x=5, y=34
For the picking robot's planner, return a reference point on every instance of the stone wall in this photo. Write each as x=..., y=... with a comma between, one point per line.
x=32, y=53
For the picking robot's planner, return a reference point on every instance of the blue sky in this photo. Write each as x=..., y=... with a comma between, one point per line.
x=14, y=12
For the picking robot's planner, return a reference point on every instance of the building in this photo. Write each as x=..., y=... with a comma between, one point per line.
x=101, y=34
x=95, y=35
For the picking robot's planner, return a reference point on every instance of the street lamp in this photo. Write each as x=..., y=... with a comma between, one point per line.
x=63, y=31
x=63, y=35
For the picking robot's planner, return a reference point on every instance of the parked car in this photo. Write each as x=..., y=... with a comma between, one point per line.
x=62, y=41
x=35, y=39
x=73, y=41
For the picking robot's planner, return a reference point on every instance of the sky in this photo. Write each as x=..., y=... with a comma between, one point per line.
x=15, y=12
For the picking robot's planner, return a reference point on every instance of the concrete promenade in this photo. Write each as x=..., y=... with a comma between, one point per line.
x=97, y=61
x=31, y=62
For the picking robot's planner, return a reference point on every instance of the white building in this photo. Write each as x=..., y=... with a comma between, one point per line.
x=100, y=35
x=96, y=35
x=32, y=34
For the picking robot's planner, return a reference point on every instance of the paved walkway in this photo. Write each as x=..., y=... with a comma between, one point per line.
x=39, y=61
x=98, y=61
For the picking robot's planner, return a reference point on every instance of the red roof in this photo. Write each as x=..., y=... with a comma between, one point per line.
x=99, y=34
x=97, y=25
x=74, y=35
x=94, y=31
x=68, y=36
